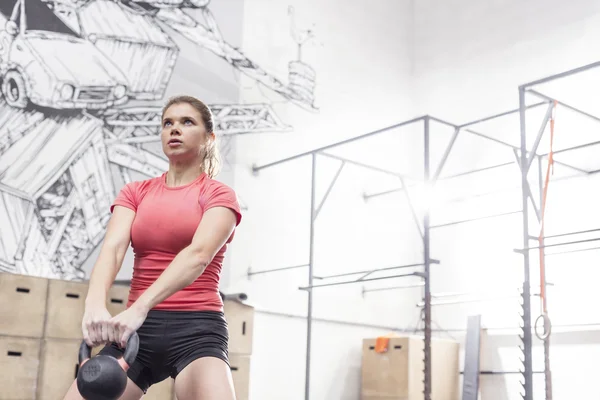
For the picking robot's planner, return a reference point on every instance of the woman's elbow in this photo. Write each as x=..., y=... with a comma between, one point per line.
x=200, y=259
x=201, y=265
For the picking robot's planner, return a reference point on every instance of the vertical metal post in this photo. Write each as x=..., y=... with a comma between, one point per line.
x=526, y=336
x=427, y=261
x=547, y=370
x=310, y=274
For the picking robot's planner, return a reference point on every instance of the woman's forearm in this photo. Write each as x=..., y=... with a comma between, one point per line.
x=185, y=268
x=115, y=245
x=103, y=274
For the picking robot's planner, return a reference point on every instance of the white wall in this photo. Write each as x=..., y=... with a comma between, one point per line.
x=470, y=58
x=477, y=53
x=360, y=53
x=376, y=66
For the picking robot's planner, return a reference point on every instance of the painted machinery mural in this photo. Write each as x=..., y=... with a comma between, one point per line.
x=82, y=83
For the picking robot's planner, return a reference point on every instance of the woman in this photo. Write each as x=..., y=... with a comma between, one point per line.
x=179, y=225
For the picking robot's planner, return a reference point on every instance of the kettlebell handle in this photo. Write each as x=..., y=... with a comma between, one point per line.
x=131, y=350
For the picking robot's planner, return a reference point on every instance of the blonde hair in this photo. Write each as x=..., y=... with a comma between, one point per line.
x=211, y=156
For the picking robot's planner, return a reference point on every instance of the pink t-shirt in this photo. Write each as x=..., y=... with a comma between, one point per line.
x=165, y=222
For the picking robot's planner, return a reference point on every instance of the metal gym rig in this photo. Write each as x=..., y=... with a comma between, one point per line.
x=524, y=158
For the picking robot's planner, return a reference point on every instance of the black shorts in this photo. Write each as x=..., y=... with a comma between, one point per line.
x=170, y=340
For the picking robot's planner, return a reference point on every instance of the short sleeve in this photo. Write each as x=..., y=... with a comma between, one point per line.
x=127, y=197
x=223, y=196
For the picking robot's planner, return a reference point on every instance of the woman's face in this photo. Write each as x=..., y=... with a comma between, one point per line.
x=183, y=132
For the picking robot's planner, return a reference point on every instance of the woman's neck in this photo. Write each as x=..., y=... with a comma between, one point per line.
x=179, y=175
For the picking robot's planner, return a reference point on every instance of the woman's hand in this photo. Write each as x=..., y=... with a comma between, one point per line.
x=95, y=325
x=127, y=322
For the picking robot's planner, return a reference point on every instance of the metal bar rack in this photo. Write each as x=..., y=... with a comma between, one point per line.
x=314, y=211
x=431, y=175
x=526, y=157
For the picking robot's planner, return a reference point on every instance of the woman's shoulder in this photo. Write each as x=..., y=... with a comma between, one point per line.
x=132, y=193
x=212, y=184
x=220, y=192
x=215, y=190
x=140, y=187
x=216, y=193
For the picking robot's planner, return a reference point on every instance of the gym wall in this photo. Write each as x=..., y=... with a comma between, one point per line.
x=460, y=61
x=470, y=58
x=360, y=51
x=57, y=230
x=346, y=68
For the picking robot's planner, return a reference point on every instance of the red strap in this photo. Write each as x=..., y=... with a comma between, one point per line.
x=549, y=171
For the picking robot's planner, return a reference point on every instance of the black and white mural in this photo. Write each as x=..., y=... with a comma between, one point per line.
x=82, y=84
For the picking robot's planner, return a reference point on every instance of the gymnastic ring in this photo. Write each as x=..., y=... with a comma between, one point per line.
x=547, y=322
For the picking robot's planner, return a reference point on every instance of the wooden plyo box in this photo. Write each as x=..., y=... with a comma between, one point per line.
x=116, y=299
x=19, y=361
x=240, y=322
x=66, y=305
x=240, y=371
x=58, y=367
x=40, y=335
x=22, y=305
x=398, y=372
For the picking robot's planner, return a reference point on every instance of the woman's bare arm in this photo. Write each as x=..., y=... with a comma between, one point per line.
x=212, y=233
x=112, y=253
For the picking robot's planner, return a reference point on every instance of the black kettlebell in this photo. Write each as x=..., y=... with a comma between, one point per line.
x=104, y=377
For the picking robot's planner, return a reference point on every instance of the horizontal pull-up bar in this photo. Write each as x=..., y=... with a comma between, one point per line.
x=415, y=285
x=518, y=290
x=266, y=271
x=578, y=147
x=503, y=372
x=567, y=106
x=464, y=221
x=557, y=244
x=360, y=164
x=572, y=233
x=518, y=149
x=556, y=253
x=500, y=115
x=474, y=171
x=257, y=168
x=367, y=196
x=560, y=75
x=371, y=271
x=475, y=300
x=422, y=275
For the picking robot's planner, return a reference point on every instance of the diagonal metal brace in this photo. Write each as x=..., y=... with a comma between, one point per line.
x=539, y=136
x=538, y=212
